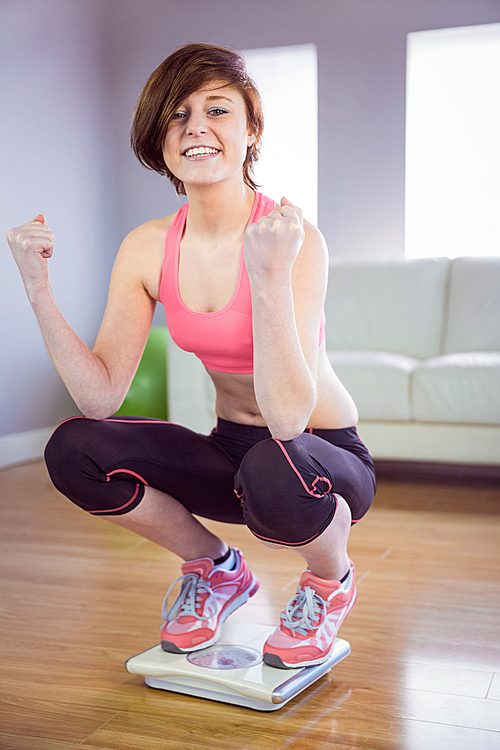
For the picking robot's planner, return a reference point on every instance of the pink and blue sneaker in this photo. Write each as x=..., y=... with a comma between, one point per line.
x=207, y=597
x=310, y=623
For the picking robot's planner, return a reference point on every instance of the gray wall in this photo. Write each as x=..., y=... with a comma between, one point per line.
x=70, y=73
x=54, y=159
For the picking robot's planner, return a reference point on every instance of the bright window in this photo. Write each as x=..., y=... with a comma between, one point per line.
x=453, y=142
x=288, y=83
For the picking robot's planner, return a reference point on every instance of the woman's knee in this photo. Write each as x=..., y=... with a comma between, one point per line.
x=64, y=444
x=260, y=475
x=274, y=467
x=74, y=456
x=282, y=499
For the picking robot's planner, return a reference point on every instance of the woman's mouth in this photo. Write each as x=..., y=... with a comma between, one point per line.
x=199, y=151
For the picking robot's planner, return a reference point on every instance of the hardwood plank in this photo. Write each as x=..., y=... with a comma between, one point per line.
x=421, y=735
x=494, y=691
x=41, y=718
x=456, y=710
x=18, y=742
x=136, y=732
x=396, y=674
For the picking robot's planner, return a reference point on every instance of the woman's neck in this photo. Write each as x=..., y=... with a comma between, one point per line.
x=218, y=210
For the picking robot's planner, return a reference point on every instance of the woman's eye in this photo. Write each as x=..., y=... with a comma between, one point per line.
x=217, y=111
x=177, y=115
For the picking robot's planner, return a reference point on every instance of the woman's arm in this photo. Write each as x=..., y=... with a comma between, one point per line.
x=288, y=269
x=97, y=380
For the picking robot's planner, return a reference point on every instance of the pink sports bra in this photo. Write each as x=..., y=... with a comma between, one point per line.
x=222, y=339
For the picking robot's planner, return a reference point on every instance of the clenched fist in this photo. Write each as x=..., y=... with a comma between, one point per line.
x=273, y=243
x=32, y=245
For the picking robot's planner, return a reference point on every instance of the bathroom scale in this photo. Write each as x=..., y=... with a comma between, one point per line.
x=232, y=670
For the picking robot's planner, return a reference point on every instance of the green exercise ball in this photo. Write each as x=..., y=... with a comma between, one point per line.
x=147, y=396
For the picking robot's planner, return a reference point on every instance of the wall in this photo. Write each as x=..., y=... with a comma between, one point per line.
x=70, y=75
x=54, y=159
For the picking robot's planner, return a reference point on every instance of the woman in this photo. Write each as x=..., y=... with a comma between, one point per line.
x=243, y=282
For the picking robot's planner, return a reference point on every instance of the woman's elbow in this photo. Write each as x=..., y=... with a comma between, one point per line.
x=288, y=429
x=100, y=410
x=97, y=414
x=284, y=435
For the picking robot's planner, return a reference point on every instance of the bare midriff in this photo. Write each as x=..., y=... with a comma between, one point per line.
x=236, y=402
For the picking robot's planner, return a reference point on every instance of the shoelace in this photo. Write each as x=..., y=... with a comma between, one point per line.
x=304, y=612
x=191, y=594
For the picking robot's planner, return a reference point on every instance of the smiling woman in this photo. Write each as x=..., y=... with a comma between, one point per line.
x=187, y=71
x=243, y=282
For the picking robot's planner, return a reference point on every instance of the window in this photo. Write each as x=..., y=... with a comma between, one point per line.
x=453, y=142
x=287, y=80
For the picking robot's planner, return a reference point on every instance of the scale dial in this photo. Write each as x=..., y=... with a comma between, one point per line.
x=225, y=656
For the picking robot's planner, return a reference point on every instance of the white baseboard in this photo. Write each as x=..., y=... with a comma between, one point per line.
x=23, y=446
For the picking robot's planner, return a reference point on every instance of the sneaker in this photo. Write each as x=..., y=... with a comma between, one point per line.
x=206, y=599
x=310, y=622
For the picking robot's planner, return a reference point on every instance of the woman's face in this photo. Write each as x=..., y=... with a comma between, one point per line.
x=208, y=136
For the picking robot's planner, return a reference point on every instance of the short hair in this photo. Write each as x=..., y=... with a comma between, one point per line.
x=185, y=71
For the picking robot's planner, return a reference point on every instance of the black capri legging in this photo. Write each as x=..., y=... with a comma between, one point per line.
x=283, y=490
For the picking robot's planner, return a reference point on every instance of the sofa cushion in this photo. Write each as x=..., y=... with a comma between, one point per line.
x=474, y=307
x=461, y=387
x=393, y=305
x=379, y=382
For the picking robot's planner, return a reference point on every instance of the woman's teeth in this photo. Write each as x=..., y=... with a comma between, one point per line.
x=200, y=151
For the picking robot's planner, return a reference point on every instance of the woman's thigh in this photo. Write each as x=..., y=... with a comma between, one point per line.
x=104, y=465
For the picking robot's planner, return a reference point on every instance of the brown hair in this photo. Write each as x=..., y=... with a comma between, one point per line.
x=185, y=71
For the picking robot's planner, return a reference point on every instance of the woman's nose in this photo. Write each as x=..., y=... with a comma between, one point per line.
x=196, y=124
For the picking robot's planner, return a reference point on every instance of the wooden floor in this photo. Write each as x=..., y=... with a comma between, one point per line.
x=79, y=596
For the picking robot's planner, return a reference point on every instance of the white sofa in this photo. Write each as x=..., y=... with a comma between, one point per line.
x=416, y=343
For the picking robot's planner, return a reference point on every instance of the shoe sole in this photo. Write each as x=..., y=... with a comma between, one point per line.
x=172, y=648
x=273, y=660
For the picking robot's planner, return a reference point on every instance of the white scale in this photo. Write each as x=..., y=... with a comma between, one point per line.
x=232, y=671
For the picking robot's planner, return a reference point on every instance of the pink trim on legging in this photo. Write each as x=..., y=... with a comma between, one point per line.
x=314, y=494
x=137, y=486
x=112, y=419
x=113, y=510
x=287, y=544
x=126, y=471
x=139, y=421
x=66, y=420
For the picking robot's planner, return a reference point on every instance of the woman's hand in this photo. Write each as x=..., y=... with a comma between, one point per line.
x=273, y=243
x=32, y=245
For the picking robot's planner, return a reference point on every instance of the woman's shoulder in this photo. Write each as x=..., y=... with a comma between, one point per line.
x=142, y=249
x=140, y=255
x=151, y=230
x=313, y=257
x=314, y=240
